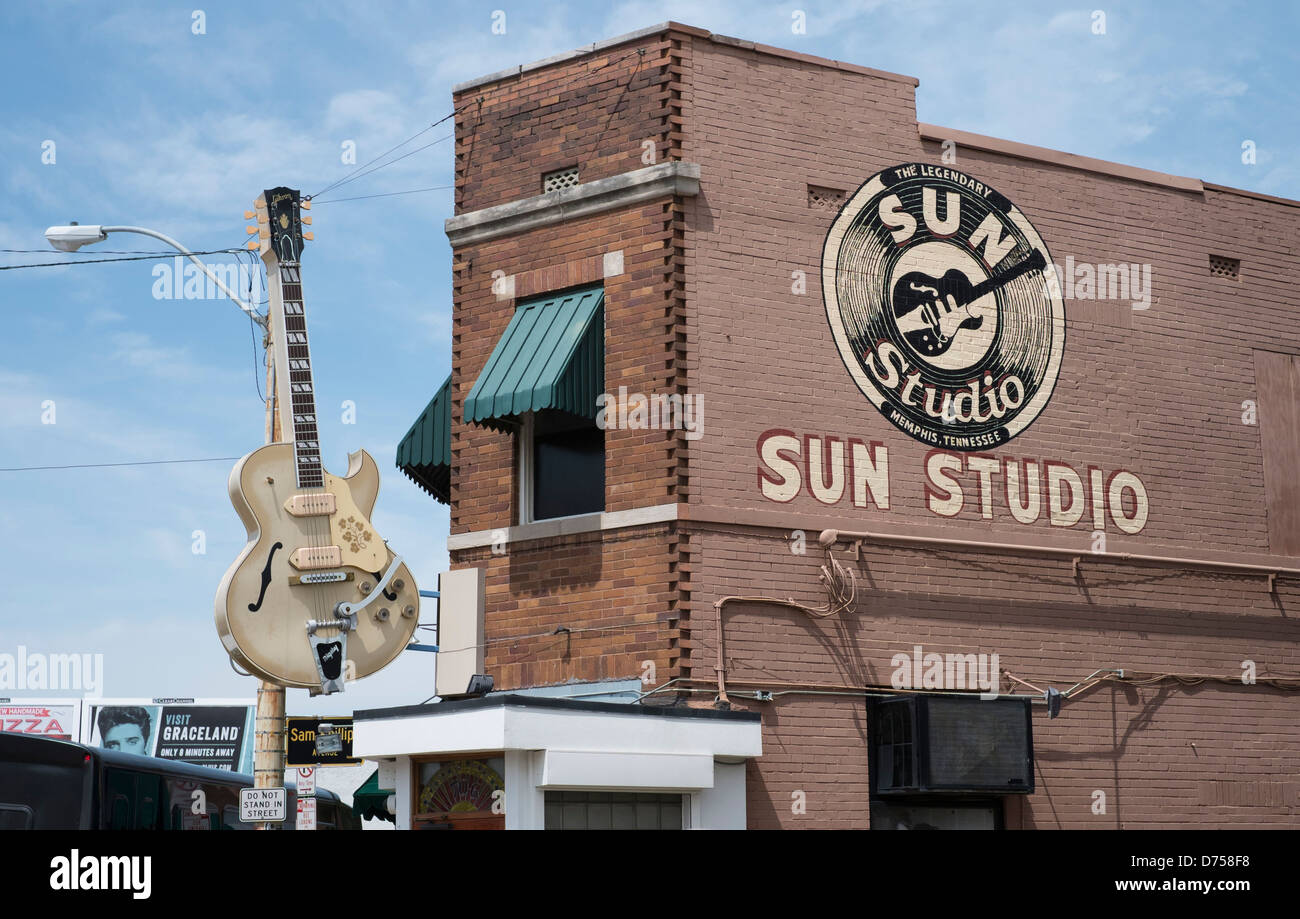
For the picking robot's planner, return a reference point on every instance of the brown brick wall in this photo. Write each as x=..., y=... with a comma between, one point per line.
x=1131, y=741
x=593, y=112
x=597, y=113
x=612, y=590
x=639, y=470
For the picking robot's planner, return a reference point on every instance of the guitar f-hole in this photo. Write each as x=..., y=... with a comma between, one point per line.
x=266, y=579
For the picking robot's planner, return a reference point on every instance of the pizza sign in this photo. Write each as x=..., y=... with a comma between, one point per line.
x=57, y=721
x=940, y=299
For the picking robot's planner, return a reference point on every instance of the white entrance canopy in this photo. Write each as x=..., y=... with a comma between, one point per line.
x=558, y=744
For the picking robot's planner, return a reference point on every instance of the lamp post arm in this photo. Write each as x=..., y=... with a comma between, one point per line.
x=143, y=231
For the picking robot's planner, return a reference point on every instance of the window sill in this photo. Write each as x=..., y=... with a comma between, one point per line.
x=565, y=526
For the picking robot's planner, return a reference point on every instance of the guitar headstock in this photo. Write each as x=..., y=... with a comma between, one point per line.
x=279, y=224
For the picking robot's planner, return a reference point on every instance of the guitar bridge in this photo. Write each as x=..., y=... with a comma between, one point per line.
x=321, y=577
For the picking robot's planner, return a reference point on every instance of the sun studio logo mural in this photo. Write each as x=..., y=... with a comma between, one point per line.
x=937, y=292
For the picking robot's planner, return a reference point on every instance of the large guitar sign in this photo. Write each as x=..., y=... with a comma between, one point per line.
x=316, y=598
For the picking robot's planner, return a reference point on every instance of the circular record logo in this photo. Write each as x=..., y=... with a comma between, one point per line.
x=944, y=306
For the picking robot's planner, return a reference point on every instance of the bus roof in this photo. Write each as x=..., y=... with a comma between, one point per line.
x=25, y=747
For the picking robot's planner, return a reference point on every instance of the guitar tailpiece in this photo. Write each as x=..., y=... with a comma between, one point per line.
x=329, y=655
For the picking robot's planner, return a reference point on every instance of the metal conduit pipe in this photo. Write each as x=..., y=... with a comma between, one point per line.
x=719, y=666
x=829, y=538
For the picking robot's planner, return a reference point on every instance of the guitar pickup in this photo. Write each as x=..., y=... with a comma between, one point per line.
x=311, y=505
x=321, y=577
x=314, y=557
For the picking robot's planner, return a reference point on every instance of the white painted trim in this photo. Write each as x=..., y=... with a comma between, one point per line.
x=671, y=178
x=567, y=526
x=511, y=727
x=582, y=769
x=700, y=758
x=405, y=806
x=524, y=440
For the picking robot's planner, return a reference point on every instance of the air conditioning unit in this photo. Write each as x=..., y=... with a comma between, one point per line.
x=948, y=744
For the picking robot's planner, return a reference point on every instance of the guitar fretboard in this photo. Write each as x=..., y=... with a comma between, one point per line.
x=302, y=392
x=1024, y=266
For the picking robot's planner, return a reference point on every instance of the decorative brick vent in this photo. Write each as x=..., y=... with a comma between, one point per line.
x=1223, y=267
x=560, y=178
x=829, y=199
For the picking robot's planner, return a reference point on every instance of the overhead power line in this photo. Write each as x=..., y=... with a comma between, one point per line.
x=390, y=194
x=354, y=173
x=128, y=258
x=208, y=459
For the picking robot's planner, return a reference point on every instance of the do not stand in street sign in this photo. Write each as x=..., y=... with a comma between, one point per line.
x=262, y=805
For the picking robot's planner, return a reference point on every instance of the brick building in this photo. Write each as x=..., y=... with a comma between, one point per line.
x=768, y=402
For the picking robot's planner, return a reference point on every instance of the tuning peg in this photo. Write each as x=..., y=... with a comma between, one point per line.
x=250, y=230
x=308, y=236
x=254, y=245
x=248, y=215
x=307, y=220
x=305, y=204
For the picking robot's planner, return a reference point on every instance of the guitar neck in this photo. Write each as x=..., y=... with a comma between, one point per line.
x=1024, y=266
x=297, y=367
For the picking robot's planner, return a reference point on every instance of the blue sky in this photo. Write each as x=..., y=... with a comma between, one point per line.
x=156, y=126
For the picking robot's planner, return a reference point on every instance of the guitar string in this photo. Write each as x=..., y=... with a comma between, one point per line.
x=311, y=527
x=316, y=525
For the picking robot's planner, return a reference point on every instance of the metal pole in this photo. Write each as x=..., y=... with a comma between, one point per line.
x=268, y=725
x=144, y=231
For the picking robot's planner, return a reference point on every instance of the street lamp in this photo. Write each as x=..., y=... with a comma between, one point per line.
x=72, y=237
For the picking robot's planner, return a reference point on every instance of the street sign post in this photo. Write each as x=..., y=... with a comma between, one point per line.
x=263, y=805
x=319, y=741
x=306, y=814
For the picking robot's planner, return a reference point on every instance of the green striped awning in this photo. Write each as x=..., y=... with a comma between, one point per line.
x=551, y=356
x=424, y=454
x=370, y=802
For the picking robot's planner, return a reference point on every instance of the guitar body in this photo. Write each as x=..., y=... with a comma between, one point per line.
x=263, y=608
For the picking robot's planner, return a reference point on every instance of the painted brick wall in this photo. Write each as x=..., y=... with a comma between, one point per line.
x=1157, y=392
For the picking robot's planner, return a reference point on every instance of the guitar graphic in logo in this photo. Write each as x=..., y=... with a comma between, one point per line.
x=930, y=312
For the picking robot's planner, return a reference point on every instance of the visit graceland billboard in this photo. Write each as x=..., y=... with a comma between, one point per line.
x=217, y=733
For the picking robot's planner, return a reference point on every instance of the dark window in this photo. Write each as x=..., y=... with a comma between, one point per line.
x=16, y=817
x=568, y=466
x=600, y=810
x=926, y=814
x=132, y=800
